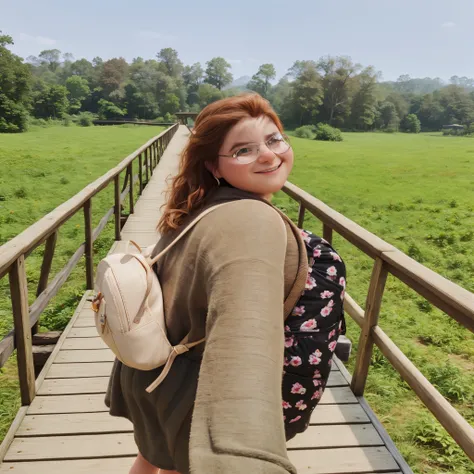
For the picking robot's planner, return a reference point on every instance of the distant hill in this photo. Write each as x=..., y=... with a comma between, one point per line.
x=240, y=83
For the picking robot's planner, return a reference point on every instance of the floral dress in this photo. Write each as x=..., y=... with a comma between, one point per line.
x=311, y=334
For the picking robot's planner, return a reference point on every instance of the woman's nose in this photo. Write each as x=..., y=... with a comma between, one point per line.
x=265, y=154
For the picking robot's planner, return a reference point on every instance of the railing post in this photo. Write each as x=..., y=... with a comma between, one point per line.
x=117, y=210
x=130, y=193
x=45, y=269
x=140, y=172
x=150, y=153
x=89, y=250
x=146, y=165
x=327, y=233
x=21, y=319
x=371, y=317
x=301, y=215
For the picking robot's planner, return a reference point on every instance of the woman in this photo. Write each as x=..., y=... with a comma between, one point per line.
x=233, y=280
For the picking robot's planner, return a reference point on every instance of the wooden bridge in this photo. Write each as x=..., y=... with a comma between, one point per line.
x=64, y=426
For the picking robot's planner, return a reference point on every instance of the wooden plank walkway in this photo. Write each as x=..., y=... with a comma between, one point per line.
x=67, y=428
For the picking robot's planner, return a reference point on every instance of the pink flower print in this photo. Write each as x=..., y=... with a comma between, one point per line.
x=316, y=253
x=326, y=294
x=326, y=311
x=286, y=405
x=342, y=282
x=310, y=283
x=298, y=388
x=332, y=334
x=317, y=374
x=317, y=382
x=301, y=405
x=315, y=357
x=295, y=361
x=295, y=419
x=284, y=418
x=317, y=394
x=335, y=256
x=330, y=362
x=289, y=341
x=298, y=311
x=332, y=271
x=332, y=346
x=287, y=328
x=305, y=236
x=308, y=325
x=286, y=363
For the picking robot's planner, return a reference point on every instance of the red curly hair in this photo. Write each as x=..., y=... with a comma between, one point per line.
x=192, y=184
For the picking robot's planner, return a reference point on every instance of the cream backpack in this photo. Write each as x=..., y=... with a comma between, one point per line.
x=129, y=313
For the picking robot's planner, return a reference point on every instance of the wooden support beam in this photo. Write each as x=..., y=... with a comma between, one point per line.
x=21, y=319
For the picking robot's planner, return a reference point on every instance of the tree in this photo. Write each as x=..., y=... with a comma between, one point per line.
x=15, y=88
x=457, y=103
x=387, y=117
x=78, y=89
x=113, y=75
x=411, y=124
x=140, y=104
x=50, y=101
x=50, y=57
x=109, y=110
x=302, y=104
x=208, y=94
x=168, y=57
x=192, y=76
x=217, y=73
x=364, y=100
x=337, y=73
x=260, y=82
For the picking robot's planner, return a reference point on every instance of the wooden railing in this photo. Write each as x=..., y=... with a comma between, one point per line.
x=444, y=294
x=14, y=253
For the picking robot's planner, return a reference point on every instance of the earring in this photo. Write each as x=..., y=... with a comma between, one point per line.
x=217, y=179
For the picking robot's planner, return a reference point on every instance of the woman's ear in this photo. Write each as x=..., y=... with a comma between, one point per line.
x=211, y=167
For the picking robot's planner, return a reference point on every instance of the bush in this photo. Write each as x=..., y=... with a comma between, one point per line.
x=306, y=131
x=327, y=133
x=159, y=119
x=67, y=121
x=85, y=119
x=411, y=124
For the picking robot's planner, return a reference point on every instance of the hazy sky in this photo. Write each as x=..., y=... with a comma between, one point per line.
x=416, y=37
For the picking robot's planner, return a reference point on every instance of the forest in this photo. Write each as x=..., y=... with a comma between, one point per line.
x=332, y=90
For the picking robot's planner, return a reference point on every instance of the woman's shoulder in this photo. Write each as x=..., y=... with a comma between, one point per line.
x=242, y=215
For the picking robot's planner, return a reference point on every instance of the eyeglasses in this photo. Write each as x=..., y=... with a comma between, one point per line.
x=277, y=144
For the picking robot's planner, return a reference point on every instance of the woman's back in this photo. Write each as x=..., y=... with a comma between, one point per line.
x=226, y=281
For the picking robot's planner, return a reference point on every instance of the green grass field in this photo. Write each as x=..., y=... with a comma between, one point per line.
x=40, y=170
x=415, y=191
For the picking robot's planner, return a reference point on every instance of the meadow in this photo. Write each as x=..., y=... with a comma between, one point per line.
x=414, y=191
x=417, y=193
x=39, y=170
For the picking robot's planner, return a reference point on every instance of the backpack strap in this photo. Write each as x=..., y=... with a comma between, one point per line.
x=185, y=231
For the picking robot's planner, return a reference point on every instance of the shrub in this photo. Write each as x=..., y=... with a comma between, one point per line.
x=67, y=121
x=327, y=133
x=411, y=124
x=85, y=119
x=306, y=131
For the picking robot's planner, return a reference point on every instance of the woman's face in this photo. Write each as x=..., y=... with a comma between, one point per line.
x=256, y=177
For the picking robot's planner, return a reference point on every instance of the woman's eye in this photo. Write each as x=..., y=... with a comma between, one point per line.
x=275, y=139
x=243, y=151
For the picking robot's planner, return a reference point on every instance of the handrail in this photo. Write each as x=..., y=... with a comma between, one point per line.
x=454, y=300
x=14, y=253
x=37, y=232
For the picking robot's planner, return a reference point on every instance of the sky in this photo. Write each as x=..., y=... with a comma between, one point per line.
x=422, y=38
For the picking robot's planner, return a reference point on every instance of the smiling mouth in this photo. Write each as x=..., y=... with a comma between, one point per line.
x=269, y=170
